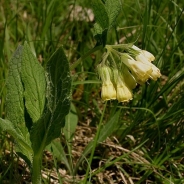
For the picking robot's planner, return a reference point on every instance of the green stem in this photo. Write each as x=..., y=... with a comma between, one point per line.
x=36, y=169
x=85, y=56
x=94, y=145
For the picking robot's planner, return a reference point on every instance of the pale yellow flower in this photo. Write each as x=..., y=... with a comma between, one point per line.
x=149, y=56
x=128, y=68
x=155, y=71
x=139, y=70
x=108, y=90
x=124, y=94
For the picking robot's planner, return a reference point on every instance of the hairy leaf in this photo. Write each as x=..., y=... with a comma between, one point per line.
x=33, y=77
x=14, y=97
x=16, y=127
x=58, y=101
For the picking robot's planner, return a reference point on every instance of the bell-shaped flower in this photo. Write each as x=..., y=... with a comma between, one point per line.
x=108, y=90
x=155, y=71
x=149, y=56
x=124, y=94
x=139, y=70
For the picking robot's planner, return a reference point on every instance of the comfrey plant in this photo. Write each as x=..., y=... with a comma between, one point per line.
x=38, y=99
x=120, y=71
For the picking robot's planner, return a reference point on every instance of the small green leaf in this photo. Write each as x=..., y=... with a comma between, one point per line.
x=105, y=16
x=97, y=29
x=33, y=78
x=113, y=7
x=100, y=13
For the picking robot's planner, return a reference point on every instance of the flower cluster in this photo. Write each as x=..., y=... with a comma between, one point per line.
x=120, y=71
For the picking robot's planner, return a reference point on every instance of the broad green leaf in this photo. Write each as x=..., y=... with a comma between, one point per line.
x=105, y=132
x=33, y=78
x=113, y=7
x=22, y=144
x=58, y=102
x=71, y=123
x=15, y=93
x=15, y=107
x=100, y=13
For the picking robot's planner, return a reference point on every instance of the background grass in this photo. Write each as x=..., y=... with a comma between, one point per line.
x=147, y=145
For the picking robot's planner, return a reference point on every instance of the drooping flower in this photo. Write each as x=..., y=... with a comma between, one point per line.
x=108, y=90
x=146, y=58
x=149, y=56
x=139, y=70
x=124, y=94
x=131, y=65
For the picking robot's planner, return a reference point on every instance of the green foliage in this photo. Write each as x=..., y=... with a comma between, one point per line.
x=58, y=102
x=31, y=122
x=105, y=16
x=33, y=78
x=147, y=142
x=15, y=107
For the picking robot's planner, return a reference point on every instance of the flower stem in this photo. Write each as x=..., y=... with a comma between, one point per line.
x=94, y=144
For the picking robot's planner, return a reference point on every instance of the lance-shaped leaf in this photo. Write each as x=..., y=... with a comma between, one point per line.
x=58, y=101
x=15, y=93
x=15, y=106
x=33, y=78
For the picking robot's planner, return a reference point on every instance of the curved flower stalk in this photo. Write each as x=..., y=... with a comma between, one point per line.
x=131, y=65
